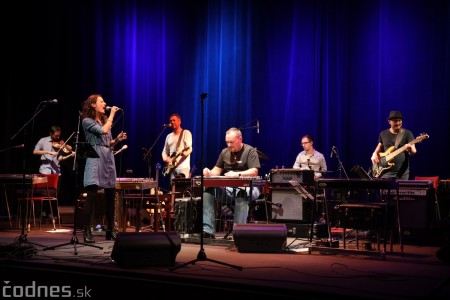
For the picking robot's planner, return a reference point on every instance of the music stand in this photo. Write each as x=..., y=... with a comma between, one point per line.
x=83, y=150
x=201, y=256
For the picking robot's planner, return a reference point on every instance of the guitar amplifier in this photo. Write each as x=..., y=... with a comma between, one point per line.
x=287, y=206
x=416, y=204
x=181, y=187
x=283, y=176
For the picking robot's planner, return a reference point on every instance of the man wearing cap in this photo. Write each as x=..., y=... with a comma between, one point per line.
x=396, y=136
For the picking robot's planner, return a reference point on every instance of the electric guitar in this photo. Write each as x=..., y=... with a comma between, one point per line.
x=385, y=158
x=176, y=160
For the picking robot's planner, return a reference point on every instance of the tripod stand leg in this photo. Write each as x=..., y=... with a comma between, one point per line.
x=24, y=216
x=74, y=242
x=201, y=256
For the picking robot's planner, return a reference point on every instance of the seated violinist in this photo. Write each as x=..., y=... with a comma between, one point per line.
x=55, y=159
x=49, y=163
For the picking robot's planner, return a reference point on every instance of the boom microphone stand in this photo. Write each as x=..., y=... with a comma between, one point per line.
x=201, y=256
x=334, y=151
x=82, y=150
x=23, y=236
x=148, y=153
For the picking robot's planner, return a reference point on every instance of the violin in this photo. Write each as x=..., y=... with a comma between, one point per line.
x=61, y=146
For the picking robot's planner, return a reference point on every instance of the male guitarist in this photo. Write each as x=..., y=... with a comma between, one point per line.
x=177, y=149
x=396, y=136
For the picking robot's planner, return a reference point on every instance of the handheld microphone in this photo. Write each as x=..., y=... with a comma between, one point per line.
x=124, y=147
x=257, y=126
x=54, y=101
x=108, y=108
x=332, y=151
x=167, y=125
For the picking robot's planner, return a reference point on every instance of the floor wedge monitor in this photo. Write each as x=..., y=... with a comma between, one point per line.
x=140, y=249
x=260, y=237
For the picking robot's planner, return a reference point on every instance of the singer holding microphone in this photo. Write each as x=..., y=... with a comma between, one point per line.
x=100, y=172
x=310, y=158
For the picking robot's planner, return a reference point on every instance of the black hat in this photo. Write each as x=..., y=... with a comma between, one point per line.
x=395, y=114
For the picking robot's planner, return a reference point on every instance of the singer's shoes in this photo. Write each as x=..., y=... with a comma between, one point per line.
x=111, y=235
x=87, y=234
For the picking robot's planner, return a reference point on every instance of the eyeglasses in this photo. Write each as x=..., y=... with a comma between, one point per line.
x=305, y=143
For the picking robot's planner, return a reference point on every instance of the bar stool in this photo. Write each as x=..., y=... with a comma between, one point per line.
x=43, y=188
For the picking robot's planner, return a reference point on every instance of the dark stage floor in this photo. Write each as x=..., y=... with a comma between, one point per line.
x=215, y=270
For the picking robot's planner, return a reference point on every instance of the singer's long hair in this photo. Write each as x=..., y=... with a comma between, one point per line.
x=88, y=111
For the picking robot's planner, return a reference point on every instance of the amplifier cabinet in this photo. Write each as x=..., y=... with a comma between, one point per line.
x=417, y=211
x=288, y=206
x=417, y=207
x=181, y=186
x=283, y=176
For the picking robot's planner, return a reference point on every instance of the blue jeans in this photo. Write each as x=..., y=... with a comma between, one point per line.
x=226, y=195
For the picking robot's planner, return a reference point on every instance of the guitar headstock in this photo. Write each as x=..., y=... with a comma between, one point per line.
x=421, y=137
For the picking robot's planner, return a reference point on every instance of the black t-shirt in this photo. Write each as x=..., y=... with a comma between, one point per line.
x=401, y=161
x=245, y=159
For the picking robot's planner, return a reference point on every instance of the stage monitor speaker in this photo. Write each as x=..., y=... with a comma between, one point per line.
x=288, y=206
x=140, y=249
x=260, y=237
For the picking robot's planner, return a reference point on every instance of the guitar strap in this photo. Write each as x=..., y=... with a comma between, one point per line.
x=399, y=137
x=179, y=141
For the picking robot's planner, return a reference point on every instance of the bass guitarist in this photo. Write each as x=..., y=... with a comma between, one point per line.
x=177, y=149
x=393, y=138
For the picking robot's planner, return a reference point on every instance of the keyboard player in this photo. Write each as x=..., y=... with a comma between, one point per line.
x=236, y=160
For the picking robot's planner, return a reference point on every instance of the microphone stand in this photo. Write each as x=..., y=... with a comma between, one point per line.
x=341, y=166
x=201, y=256
x=249, y=127
x=74, y=240
x=148, y=154
x=23, y=236
x=12, y=147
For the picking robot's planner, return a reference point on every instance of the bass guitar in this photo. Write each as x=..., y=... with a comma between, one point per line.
x=385, y=158
x=174, y=163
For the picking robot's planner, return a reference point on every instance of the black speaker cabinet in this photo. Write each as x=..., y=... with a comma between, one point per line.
x=260, y=237
x=416, y=211
x=288, y=206
x=140, y=249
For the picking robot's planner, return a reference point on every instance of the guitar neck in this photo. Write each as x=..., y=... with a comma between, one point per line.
x=391, y=156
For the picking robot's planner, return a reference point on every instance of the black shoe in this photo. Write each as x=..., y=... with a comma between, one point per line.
x=87, y=235
x=207, y=235
x=111, y=235
x=88, y=238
